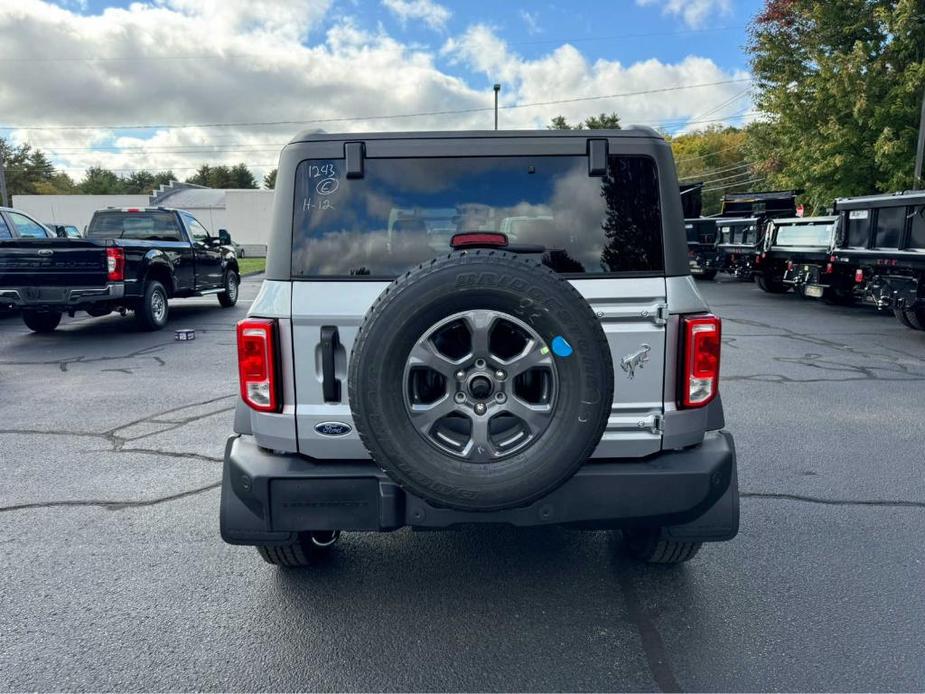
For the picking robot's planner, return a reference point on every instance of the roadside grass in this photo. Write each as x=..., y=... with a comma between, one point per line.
x=249, y=266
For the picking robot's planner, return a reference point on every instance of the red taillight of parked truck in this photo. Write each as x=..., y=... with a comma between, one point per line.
x=257, y=364
x=700, y=366
x=115, y=264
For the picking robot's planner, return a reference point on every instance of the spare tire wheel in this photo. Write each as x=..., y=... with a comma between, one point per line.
x=480, y=381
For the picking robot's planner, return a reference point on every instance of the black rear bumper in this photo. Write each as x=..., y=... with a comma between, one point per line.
x=691, y=494
x=60, y=297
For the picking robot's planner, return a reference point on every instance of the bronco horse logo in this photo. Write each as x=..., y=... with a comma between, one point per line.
x=635, y=360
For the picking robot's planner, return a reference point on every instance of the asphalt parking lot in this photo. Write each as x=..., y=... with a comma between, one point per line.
x=115, y=577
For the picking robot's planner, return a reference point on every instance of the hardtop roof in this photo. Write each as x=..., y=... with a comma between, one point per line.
x=636, y=131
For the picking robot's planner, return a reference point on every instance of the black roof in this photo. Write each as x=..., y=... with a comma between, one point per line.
x=629, y=131
x=900, y=199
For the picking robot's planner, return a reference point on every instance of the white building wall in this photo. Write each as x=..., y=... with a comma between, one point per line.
x=72, y=209
x=247, y=216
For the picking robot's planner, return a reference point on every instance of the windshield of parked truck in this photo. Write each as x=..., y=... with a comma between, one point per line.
x=405, y=211
x=818, y=234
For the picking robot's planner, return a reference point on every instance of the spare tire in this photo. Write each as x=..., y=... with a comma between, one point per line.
x=480, y=381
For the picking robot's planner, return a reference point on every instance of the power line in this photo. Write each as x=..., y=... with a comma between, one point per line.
x=734, y=185
x=288, y=54
x=344, y=119
x=702, y=174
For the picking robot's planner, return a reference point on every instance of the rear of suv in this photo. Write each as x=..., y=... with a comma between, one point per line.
x=471, y=328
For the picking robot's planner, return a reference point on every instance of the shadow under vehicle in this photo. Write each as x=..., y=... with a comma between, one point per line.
x=796, y=253
x=701, y=247
x=879, y=255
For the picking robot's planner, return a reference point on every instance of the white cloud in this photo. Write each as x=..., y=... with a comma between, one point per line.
x=566, y=74
x=694, y=12
x=531, y=20
x=432, y=14
x=180, y=62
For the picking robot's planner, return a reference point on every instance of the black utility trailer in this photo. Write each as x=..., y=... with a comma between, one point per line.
x=880, y=253
x=701, y=246
x=737, y=246
x=741, y=227
x=796, y=253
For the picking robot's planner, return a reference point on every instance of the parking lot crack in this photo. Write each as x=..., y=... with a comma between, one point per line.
x=894, y=503
x=110, y=505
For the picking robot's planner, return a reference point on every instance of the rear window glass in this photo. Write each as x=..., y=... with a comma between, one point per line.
x=142, y=226
x=804, y=234
x=857, y=228
x=917, y=234
x=405, y=211
x=890, y=224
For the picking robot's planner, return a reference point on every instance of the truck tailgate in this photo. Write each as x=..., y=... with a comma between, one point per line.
x=52, y=263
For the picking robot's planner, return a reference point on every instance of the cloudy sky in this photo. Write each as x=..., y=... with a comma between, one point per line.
x=173, y=83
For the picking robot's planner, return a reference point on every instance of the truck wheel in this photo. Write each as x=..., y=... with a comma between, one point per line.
x=707, y=275
x=647, y=545
x=915, y=318
x=307, y=549
x=480, y=381
x=41, y=321
x=229, y=297
x=151, y=312
x=770, y=285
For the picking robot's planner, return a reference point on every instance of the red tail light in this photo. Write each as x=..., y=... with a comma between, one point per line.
x=700, y=368
x=789, y=265
x=257, y=364
x=858, y=276
x=115, y=264
x=474, y=238
x=828, y=268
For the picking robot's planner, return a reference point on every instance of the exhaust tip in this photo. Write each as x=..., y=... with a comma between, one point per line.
x=324, y=538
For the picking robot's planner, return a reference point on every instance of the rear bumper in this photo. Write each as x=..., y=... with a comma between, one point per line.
x=691, y=494
x=60, y=296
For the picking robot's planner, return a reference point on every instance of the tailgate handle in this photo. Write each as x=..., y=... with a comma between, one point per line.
x=330, y=385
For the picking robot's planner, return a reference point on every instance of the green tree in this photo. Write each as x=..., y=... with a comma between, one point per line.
x=222, y=176
x=30, y=172
x=269, y=180
x=100, y=181
x=841, y=84
x=145, y=182
x=715, y=157
x=603, y=120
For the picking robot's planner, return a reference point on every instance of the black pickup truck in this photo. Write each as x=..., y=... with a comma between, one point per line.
x=132, y=259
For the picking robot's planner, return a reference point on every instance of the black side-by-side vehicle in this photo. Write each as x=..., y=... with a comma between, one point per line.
x=133, y=259
x=880, y=253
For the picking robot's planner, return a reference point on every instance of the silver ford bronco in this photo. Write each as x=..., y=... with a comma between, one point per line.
x=478, y=327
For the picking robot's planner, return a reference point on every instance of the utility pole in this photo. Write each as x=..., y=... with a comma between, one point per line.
x=920, y=148
x=498, y=89
x=3, y=200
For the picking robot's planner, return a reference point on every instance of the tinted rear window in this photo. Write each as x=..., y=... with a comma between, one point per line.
x=891, y=222
x=917, y=233
x=804, y=234
x=142, y=226
x=858, y=228
x=405, y=211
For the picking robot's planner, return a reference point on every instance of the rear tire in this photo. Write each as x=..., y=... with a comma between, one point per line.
x=707, y=275
x=915, y=317
x=771, y=286
x=41, y=321
x=229, y=297
x=305, y=551
x=648, y=545
x=152, y=312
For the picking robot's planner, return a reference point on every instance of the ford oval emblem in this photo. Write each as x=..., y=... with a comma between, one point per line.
x=45, y=251
x=333, y=428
